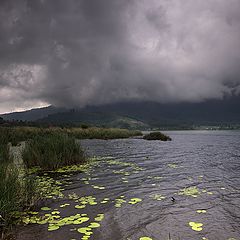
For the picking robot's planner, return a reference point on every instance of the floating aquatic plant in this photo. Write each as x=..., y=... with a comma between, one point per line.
x=201, y=211
x=190, y=191
x=98, y=187
x=196, y=226
x=45, y=209
x=53, y=227
x=172, y=165
x=99, y=217
x=135, y=200
x=119, y=202
x=64, y=205
x=80, y=206
x=94, y=225
x=158, y=197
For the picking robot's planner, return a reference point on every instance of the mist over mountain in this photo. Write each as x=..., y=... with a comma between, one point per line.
x=139, y=114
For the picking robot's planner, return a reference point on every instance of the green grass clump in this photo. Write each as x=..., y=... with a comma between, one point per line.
x=16, y=192
x=52, y=151
x=157, y=136
x=9, y=186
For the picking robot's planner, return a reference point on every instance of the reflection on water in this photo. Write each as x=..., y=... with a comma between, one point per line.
x=185, y=189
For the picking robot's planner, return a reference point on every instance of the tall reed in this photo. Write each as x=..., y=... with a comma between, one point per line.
x=16, y=192
x=52, y=151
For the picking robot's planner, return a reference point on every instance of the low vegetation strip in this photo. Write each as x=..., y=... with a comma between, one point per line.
x=18, y=134
x=102, y=133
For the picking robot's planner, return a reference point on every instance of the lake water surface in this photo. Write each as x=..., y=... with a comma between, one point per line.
x=134, y=186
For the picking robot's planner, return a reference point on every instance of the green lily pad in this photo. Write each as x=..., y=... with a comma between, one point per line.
x=53, y=228
x=94, y=225
x=45, y=209
x=81, y=220
x=196, y=226
x=135, y=200
x=80, y=206
x=99, y=217
x=201, y=211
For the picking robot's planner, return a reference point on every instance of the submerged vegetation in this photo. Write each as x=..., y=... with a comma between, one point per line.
x=157, y=136
x=52, y=152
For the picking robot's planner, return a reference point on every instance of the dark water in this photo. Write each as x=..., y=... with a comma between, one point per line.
x=204, y=163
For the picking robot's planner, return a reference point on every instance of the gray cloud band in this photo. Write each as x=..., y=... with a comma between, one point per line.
x=74, y=53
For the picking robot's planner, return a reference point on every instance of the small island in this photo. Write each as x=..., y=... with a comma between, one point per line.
x=157, y=136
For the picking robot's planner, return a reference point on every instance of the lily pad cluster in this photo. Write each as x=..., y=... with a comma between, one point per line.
x=119, y=201
x=172, y=165
x=157, y=197
x=86, y=167
x=125, y=164
x=201, y=211
x=196, y=226
x=133, y=168
x=98, y=187
x=85, y=200
x=190, y=191
x=55, y=221
x=49, y=188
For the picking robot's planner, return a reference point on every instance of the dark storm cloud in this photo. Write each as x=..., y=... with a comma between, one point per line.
x=79, y=52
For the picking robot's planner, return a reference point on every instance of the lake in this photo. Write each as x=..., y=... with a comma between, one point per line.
x=185, y=189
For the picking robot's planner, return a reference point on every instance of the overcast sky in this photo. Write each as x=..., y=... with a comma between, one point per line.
x=87, y=52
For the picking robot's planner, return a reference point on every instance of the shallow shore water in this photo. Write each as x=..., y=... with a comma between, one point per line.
x=185, y=189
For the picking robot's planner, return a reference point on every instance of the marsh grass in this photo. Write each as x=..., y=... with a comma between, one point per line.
x=52, y=151
x=17, y=191
x=18, y=134
x=103, y=133
x=14, y=135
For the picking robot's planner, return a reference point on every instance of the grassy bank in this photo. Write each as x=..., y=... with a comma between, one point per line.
x=52, y=152
x=18, y=134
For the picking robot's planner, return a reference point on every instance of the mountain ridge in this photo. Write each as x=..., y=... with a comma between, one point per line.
x=133, y=114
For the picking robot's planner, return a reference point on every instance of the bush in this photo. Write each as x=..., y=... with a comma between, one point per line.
x=84, y=126
x=52, y=151
x=157, y=136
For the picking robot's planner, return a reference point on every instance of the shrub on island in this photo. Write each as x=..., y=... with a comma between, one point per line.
x=157, y=136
